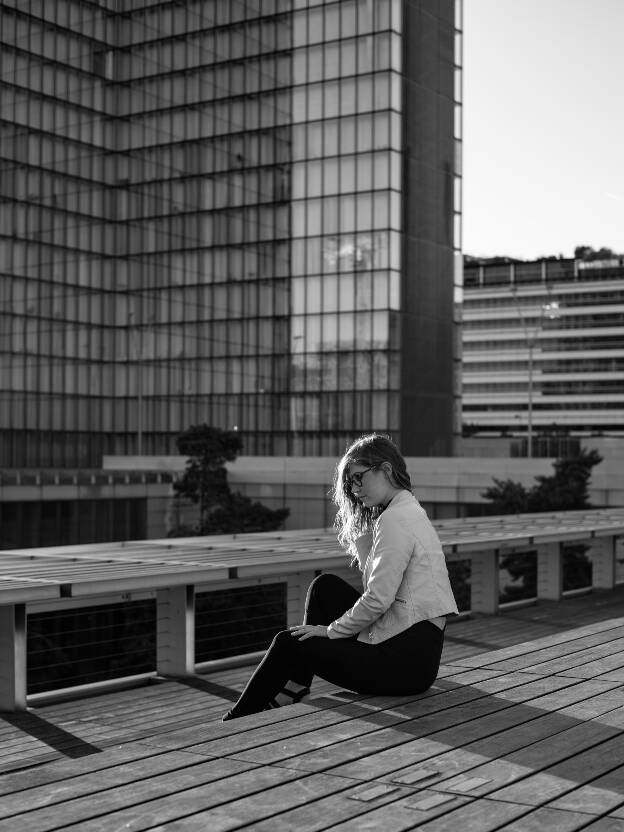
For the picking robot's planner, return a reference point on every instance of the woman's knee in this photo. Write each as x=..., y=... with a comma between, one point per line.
x=281, y=640
x=324, y=584
x=325, y=579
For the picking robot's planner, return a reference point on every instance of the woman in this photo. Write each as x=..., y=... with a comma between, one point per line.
x=388, y=639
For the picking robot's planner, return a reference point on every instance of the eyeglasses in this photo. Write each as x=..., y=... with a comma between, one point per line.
x=356, y=479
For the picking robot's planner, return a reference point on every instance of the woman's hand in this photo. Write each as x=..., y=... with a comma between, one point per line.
x=303, y=631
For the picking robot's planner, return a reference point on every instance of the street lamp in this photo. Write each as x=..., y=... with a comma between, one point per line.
x=547, y=311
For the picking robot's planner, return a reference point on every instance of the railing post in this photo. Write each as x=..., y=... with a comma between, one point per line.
x=13, y=657
x=549, y=571
x=484, y=591
x=602, y=555
x=175, y=631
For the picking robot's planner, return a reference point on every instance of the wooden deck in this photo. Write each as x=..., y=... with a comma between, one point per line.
x=522, y=732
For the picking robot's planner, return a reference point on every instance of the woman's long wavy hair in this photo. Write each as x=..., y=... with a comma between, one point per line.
x=352, y=518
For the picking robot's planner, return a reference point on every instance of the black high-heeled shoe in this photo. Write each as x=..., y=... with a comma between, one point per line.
x=288, y=696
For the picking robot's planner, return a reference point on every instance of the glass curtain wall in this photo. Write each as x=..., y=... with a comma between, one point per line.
x=345, y=221
x=58, y=331
x=202, y=147
x=202, y=218
x=144, y=226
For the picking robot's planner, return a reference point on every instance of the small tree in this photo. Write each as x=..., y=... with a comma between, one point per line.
x=567, y=488
x=204, y=482
x=507, y=497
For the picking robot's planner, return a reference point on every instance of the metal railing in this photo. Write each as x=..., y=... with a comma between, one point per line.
x=54, y=645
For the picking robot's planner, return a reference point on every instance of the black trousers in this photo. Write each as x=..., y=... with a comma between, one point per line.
x=404, y=664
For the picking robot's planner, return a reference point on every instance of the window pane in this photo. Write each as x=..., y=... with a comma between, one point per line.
x=348, y=134
x=332, y=99
x=332, y=179
x=330, y=332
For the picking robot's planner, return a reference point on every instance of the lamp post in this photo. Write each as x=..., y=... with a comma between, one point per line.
x=549, y=311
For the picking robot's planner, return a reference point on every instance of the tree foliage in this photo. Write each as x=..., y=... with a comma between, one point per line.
x=567, y=488
x=564, y=490
x=204, y=482
x=507, y=497
x=588, y=253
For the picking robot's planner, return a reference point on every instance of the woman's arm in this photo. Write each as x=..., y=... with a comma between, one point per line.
x=361, y=547
x=393, y=545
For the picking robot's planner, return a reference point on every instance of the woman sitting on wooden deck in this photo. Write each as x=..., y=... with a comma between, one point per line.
x=388, y=639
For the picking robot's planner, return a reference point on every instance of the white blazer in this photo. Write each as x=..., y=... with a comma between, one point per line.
x=404, y=575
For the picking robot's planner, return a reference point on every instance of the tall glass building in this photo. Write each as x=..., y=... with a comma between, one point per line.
x=245, y=213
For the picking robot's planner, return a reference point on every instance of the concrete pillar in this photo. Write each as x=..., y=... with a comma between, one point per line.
x=175, y=631
x=602, y=555
x=13, y=657
x=484, y=580
x=549, y=571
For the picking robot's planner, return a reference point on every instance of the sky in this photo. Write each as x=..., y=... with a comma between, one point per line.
x=543, y=128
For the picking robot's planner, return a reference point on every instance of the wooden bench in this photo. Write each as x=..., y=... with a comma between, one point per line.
x=176, y=569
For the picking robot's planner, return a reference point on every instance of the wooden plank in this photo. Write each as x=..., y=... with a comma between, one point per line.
x=566, y=656
x=260, y=729
x=600, y=796
x=511, y=764
x=601, y=667
x=93, y=722
x=359, y=803
x=297, y=736
x=558, y=638
x=147, y=803
x=253, y=809
x=57, y=771
x=322, y=746
x=80, y=784
x=444, y=749
x=550, y=783
x=609, y=823
x=547, y=819
x=335, y=713
x=406, y=814
x=484, y=815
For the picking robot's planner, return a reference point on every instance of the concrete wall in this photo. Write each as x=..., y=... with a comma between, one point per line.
x=446, y=486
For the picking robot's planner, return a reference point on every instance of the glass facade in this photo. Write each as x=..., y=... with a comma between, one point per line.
x=204, y=217
x=346, y=222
